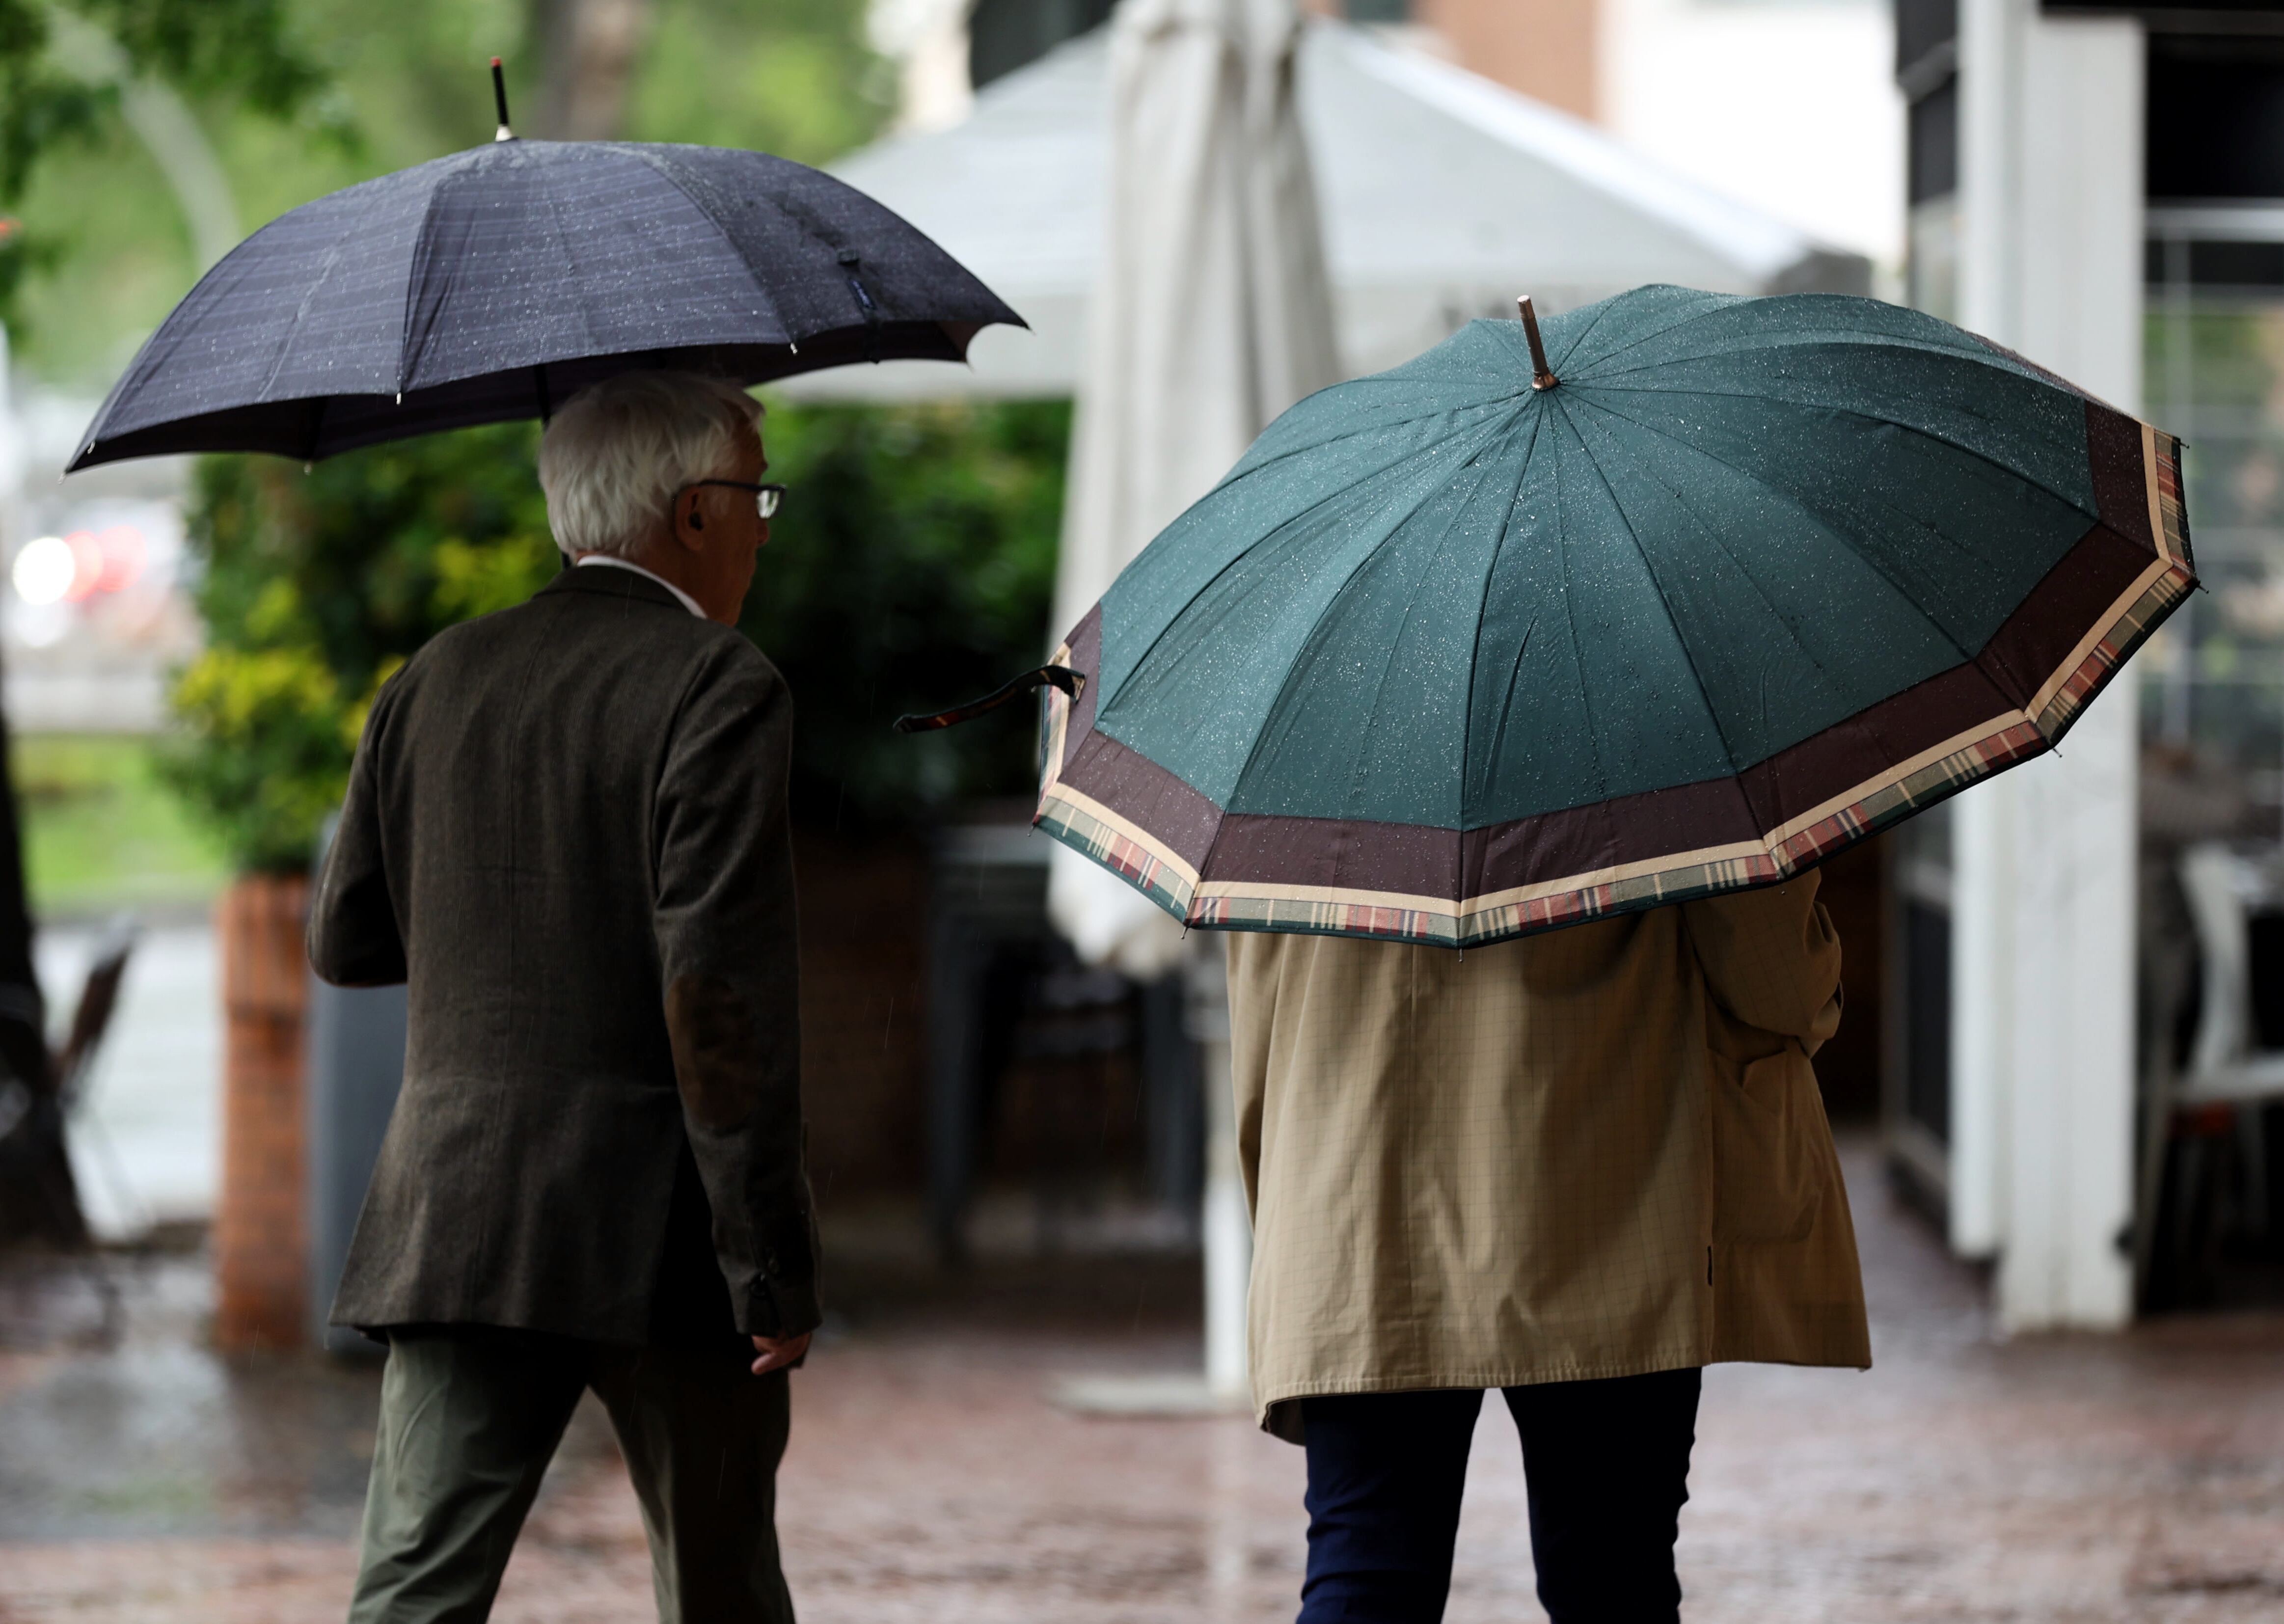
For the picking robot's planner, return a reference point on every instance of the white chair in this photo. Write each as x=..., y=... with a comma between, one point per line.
x=2224, y=1067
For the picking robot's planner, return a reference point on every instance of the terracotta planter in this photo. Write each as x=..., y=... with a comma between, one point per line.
x=260, y=1233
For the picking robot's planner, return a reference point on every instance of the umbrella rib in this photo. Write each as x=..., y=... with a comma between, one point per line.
x=1570, y=625
x=1704, y=697
x=1379, y=685
x=1713, y=532
x=1207, y=585
x=2014, y=693
x=309, y=296
x=1966, y=655
x=2008, y=692
x=1635, y=342
x=1845, y=412
x=1601, y=313
x=707, y=215
x=555, y=223
x=1514, y=674
x=1792, y=341
x=406, y=336
x=1482, y=608
x=1253, y=750
x=1486, y=406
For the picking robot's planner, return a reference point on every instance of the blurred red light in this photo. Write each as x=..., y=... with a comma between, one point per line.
x=87, y=564
x=123, y=556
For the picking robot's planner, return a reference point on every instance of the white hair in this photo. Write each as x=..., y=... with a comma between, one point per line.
x=613, y=458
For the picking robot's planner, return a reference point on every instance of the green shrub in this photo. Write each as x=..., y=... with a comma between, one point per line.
x=911, y=568
x=315, y=587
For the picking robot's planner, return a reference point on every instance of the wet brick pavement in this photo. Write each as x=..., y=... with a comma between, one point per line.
x=2071, y=1479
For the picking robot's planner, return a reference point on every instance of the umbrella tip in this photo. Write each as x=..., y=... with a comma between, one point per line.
x=1542, y=375
x=499, y=98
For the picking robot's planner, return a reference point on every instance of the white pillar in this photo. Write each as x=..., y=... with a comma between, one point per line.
x=2042, y=984
x=1981, y=1008
x=1228, y=1227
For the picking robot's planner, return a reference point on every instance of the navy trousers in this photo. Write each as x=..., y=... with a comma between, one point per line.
x=1607, y=1464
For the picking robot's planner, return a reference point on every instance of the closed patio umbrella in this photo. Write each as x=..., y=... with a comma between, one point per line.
x=1213, y=313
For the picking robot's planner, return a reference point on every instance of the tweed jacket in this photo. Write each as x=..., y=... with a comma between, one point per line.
x=1594, y=1152
x=566, y=828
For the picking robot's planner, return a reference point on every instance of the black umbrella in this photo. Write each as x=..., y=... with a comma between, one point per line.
x=494, y=284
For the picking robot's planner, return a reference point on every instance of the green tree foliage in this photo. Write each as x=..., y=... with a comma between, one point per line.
x=409, y=80
x=793, y=77
x=240, y=51
x=244, y=48
x=39, y=107
x=911, y=568
x=316, y=586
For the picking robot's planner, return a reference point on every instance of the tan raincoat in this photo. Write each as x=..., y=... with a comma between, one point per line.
x=1593, y=1152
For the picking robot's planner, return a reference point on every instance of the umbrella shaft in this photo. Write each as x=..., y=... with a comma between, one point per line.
x=1542, y=375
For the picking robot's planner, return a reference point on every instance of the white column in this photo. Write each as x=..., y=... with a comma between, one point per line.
x=1981, y=1009
x=2043, y=988
x=1228, y=1227
x=1983, y=849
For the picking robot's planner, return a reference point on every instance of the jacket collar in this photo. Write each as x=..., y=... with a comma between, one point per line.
x=622, y=583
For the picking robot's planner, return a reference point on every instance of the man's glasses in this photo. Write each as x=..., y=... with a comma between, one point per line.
x=767, y=498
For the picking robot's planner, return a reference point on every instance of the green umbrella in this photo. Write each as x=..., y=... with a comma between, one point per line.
x=1456, y=653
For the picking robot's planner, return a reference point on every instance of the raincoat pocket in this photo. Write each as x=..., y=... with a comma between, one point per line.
x=1768, y=1127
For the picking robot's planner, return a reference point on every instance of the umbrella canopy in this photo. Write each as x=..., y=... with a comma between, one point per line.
x=495, y=283
x=1453, y=658
x=1213, y=314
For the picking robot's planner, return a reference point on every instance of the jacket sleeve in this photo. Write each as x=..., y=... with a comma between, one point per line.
x=730, y=973
x=355, y=937
x=1772, y=959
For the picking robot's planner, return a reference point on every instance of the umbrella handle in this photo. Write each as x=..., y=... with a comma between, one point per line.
x=1072, y=682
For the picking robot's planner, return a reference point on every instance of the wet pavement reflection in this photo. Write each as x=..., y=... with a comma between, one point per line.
x=159, y=1435
x=2134, y=1478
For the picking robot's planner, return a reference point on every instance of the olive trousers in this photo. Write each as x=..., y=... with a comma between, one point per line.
x=469, y=1415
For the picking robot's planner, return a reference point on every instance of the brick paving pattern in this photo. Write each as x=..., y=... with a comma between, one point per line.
x=2080, y=1478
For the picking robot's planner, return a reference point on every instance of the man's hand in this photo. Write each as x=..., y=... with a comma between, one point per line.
x=779, y=1351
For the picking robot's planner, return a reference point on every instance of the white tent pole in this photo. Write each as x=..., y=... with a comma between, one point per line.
x=1227, y=1226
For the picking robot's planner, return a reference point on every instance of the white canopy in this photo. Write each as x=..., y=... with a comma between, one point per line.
x=1443, y=195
